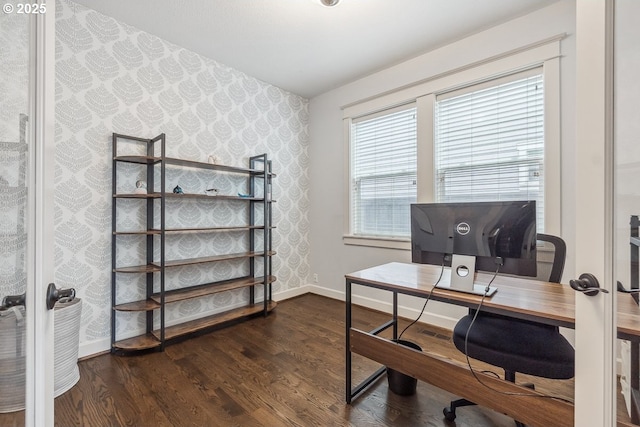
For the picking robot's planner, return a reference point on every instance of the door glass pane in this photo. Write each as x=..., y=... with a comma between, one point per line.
x=14, y=105
x=627, y=178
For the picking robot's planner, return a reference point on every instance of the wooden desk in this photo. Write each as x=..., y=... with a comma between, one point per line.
x=544, y=302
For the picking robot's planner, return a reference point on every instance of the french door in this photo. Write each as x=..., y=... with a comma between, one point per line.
x=608, y=195
x=26, y=210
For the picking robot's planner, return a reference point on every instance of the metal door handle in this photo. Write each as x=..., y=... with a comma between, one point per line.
x=13, y=301
x=587, y=284
x=54, y=295
x=621, y=288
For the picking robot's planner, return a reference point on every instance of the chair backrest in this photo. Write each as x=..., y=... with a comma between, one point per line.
x=559, y=255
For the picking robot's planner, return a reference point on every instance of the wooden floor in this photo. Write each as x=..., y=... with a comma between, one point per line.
x=283, y=370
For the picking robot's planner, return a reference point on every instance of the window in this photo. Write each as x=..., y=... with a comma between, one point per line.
x=383, y=172
x=486, y=131
x=489, y=142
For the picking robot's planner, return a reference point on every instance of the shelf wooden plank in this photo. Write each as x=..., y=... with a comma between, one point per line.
x=142, y=342
x=137, y=138
x=206, y=196
x=156, y=231
x=209, y=289
x=215, y=229
x=224, y=257
x=215, y=320
x=137, y=196
x=218, y=167
x=147, y=160
x=141, y=160
x=150, y=268
x=146, y=305
x=140, y=232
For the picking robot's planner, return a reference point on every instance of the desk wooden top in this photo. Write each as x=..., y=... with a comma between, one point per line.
x=520, y=297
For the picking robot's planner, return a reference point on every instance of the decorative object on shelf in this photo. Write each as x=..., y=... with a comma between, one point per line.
x=178, y=190
x=244, y=196
x=214, y=160
x=211, y=191
x=141, y=187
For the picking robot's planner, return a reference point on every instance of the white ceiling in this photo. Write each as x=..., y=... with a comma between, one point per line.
x=304, y=47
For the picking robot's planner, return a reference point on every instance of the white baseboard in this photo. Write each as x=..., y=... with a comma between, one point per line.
x=89, y=349
x=292, y=293
x=325, y=292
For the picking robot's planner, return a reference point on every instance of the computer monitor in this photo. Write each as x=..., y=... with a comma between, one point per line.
x=488, y=236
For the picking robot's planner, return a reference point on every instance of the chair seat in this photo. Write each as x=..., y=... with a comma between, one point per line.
x=516, y=345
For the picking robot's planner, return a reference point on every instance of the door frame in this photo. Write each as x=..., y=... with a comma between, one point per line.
x=39, y=401
x=595, y=387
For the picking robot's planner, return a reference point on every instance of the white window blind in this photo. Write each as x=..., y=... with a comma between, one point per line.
x=489, y=142
x=383, y=172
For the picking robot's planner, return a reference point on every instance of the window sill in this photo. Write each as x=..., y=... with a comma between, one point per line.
x=378, y=242
x=546, y=253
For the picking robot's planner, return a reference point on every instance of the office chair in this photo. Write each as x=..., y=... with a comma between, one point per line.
x=517, y=345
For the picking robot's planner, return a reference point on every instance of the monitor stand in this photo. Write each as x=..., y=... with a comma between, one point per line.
x=463, y=271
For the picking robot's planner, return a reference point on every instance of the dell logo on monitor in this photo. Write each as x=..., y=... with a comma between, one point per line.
x=463, y=228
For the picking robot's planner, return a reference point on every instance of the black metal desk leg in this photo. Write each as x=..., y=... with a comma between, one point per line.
x=395, y=315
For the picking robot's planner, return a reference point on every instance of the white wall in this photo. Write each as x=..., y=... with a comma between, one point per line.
x=330, y=258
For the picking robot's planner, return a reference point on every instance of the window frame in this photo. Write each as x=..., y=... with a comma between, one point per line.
x=545, y=55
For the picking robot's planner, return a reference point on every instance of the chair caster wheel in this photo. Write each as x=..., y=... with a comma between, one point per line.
x=449, y=414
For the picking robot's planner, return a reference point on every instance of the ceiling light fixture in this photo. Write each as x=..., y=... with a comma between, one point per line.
x=329, y=2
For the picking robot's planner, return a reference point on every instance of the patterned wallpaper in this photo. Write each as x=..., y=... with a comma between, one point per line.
x=111, y=77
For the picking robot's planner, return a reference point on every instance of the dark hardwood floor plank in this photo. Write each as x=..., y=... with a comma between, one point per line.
x=272, y=389
x=170, y=388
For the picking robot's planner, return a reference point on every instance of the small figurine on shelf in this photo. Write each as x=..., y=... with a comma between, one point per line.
x=141, y=187
x=211, y=191
x=178, y=190
x=213, y=159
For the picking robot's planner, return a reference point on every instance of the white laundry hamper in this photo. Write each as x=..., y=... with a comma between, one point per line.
x=12, y=352
x=66, y=342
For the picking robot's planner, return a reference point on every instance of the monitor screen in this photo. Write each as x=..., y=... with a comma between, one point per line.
x=490, y=231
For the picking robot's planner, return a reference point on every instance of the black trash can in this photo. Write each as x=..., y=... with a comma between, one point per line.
x=399, y=383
